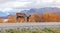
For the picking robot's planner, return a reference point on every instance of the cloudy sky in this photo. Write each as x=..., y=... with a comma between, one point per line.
x=6, y=5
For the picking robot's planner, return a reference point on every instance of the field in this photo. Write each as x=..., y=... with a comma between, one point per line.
x=35, y=30
x=51, y=27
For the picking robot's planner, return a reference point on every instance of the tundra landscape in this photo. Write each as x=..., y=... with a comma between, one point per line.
x=29, y=16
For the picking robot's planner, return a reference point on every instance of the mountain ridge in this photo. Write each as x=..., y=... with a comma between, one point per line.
x=31, y=11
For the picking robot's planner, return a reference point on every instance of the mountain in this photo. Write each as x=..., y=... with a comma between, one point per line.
x=31, y=11
x=5, y=17
x=3, y=14
x=40, y=11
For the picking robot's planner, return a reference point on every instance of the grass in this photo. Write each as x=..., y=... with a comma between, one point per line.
x=24, y=30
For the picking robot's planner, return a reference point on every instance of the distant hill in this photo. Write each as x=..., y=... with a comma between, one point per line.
x=40, y=11
x=31, y=11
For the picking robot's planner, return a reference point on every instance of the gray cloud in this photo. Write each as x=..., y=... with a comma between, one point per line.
x=10, y=4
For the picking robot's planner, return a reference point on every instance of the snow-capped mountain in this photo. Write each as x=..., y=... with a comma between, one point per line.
x=39, y=11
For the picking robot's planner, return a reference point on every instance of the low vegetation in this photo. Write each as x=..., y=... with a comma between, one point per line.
x=34, y=18
x=44, y=30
